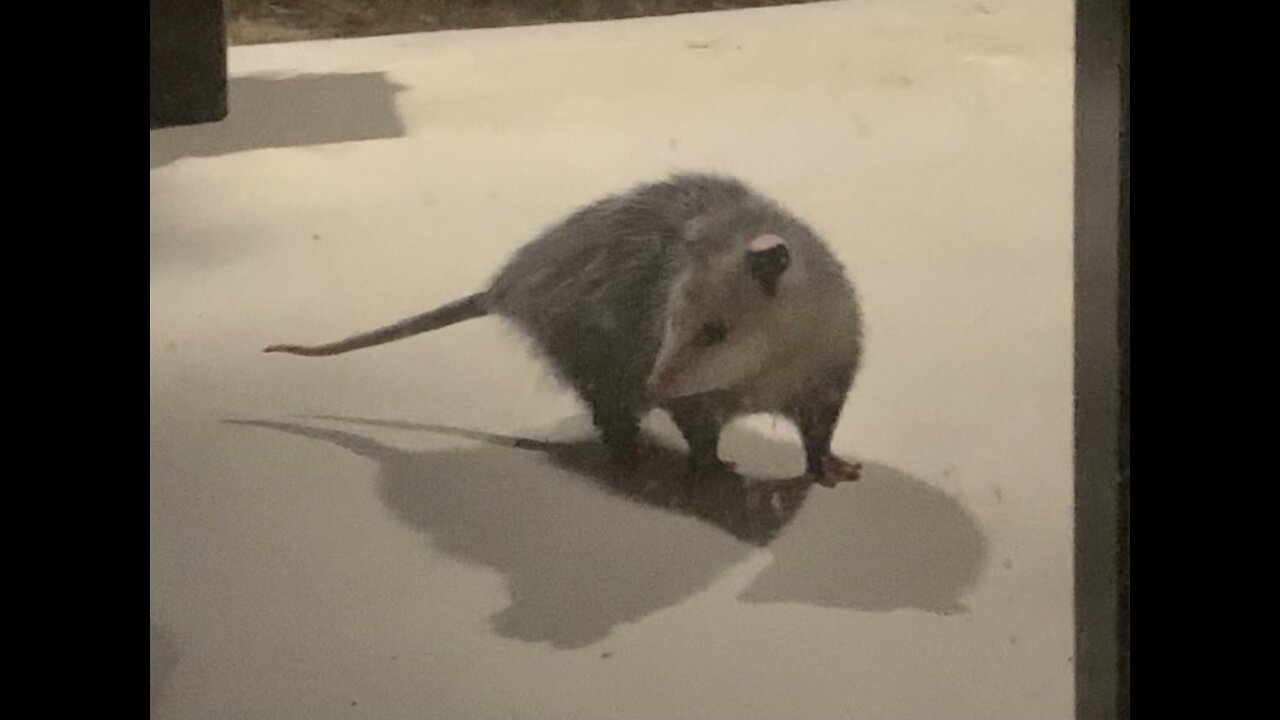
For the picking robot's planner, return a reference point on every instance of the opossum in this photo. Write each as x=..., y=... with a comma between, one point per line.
x=695, y=294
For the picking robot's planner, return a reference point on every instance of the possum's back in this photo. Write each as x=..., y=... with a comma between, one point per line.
x=593, y=287
x=616, y=244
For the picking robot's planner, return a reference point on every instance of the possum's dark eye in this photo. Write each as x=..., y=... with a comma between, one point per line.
x=713, y=332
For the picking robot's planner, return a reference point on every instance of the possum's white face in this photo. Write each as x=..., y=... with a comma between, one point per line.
x=727, y=320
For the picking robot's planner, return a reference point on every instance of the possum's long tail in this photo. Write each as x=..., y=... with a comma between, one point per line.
x=472, y=306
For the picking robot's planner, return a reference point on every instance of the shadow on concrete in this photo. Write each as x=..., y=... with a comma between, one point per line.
x=292, y=111
x=895, y=543
x=585, y=549
x=164, y=658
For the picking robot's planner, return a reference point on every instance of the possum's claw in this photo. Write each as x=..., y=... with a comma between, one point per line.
x=836, y=471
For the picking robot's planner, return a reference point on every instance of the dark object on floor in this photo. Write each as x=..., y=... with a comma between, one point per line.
x=1102, y=359
x=188, y=62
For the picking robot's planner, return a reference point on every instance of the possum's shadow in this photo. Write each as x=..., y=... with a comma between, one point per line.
x=585, y=548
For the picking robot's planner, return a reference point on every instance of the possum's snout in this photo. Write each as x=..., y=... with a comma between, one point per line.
x=697, y=368
x=668, y=382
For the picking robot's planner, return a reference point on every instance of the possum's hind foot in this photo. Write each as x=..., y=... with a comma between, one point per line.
x=835, y=471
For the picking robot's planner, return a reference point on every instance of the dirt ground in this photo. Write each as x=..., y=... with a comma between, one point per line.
x=264, y=21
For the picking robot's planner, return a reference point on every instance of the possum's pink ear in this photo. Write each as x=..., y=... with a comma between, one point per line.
x=765, y=242
x=767, y=259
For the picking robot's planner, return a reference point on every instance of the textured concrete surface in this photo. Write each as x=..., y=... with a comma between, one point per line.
x=326, y=543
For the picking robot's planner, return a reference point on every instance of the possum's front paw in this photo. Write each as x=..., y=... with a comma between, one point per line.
x=835, y=471
x=714, y=464
x=701, y=470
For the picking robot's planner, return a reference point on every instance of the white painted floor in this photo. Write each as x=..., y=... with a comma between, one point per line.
x=378, y=567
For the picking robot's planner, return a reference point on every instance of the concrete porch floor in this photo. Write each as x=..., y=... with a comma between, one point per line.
x=324, y=545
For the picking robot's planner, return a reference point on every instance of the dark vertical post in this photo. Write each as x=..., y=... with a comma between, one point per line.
x=1124, y=372
x=188, y=62
x=1101, y=362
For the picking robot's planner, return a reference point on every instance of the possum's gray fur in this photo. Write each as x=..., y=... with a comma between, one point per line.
x=696, y=295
